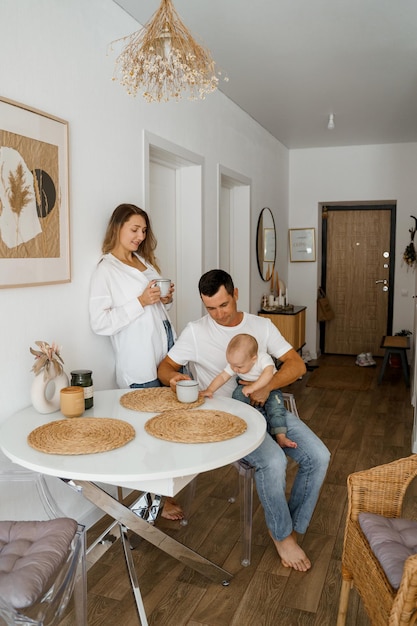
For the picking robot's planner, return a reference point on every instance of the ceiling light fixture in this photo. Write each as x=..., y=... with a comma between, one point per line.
x=164, y=60
x=330, y=125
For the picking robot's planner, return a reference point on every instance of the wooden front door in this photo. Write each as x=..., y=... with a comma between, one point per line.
x=358, y=251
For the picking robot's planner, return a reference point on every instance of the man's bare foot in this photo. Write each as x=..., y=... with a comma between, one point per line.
x=291, y=554
x=172, y=510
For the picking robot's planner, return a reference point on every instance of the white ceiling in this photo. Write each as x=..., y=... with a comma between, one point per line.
x=291, y=63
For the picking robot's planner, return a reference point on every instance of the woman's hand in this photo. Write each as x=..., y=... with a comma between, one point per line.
x=150, y=295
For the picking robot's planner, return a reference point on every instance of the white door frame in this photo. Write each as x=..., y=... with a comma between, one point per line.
x=238, y=206
x=188, y=219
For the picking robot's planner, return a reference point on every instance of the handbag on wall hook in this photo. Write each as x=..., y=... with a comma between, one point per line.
x=325, y=312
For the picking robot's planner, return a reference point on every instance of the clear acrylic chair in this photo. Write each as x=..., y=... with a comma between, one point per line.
x=245, y=492
x=246, y=475
x=57, y=579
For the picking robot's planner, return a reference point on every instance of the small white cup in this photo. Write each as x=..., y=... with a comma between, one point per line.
x=164, y=285
x=187, y=390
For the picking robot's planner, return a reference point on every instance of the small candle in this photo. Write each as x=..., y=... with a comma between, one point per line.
x=271, y=300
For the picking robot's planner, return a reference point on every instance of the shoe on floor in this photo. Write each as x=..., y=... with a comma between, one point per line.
x=361, y=360
x=370, y=359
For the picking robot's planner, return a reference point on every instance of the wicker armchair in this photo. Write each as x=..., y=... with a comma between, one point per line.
x=379, y=490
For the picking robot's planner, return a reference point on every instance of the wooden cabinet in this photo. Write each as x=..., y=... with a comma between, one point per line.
x=291, y=324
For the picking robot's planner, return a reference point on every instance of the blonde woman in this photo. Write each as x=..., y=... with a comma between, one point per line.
x=126, y=305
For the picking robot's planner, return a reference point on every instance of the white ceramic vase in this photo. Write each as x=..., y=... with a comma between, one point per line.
x=45, y=395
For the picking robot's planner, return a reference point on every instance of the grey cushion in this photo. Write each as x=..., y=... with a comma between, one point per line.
x=392, y=540
x=31, y=553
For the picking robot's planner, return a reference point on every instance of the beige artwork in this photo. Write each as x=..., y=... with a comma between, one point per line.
x=29, y=198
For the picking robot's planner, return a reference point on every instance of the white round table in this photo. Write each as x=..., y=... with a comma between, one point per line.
x=146, y=464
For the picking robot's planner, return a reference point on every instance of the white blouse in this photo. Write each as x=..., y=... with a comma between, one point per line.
x=137, y=333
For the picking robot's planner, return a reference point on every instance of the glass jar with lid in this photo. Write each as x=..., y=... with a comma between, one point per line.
x=83, y=378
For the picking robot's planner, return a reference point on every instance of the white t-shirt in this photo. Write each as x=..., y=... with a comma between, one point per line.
x=263, y=360
x=137, y=333
x=203, y=344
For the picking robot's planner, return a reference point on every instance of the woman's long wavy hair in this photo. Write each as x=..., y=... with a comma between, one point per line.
x=121, y=215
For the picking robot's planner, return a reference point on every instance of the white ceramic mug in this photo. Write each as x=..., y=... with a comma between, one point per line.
x=187, y=390
x=164, y=285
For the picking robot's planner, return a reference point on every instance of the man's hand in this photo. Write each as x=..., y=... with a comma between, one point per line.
x=169, y=371
x=257, y=398
x=173, y=381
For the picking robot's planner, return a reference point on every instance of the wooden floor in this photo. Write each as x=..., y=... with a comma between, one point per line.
x=361, y=429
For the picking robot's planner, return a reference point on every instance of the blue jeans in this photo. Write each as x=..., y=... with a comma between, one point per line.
x=150, y=383
x=170, y=335
x=273, y=410
x=270, y=463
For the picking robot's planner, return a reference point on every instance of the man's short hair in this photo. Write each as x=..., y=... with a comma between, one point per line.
x=210, y=283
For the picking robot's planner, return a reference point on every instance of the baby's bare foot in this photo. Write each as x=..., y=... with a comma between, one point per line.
x=291, y=554
x=284, y=442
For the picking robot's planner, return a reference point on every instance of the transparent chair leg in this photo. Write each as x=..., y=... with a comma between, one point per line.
x=188, y=498
x=80, y=586
x=246, y=473
x=290, y=404
x=132, y=575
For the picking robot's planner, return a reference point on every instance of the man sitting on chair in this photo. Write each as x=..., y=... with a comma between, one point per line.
x=202, y=344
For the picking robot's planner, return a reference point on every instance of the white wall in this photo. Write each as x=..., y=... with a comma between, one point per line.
x=56, y=58
x=352, y=174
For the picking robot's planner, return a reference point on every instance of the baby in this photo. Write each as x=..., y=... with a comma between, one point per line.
x=258, y=368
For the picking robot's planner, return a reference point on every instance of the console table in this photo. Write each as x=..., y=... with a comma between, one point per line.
x=291, y=324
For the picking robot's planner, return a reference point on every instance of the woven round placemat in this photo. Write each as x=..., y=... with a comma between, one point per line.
x=84, y=435
x=155, y=399
x=198, y=426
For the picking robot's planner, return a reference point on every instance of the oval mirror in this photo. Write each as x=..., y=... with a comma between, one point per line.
x=266, y=244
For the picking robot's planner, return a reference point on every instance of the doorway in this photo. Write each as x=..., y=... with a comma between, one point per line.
x=173, y=198
x=358, y=263
x=234, y=231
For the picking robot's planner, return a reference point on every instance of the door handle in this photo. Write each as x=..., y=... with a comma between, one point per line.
x=384, y=282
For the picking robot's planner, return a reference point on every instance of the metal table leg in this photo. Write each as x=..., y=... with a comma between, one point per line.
x=150, y=533
x=132, y=575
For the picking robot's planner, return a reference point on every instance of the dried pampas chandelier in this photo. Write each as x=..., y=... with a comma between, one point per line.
x=164, y=60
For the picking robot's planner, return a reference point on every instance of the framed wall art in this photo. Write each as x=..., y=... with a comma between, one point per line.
x=34, y=202
x=302, y=244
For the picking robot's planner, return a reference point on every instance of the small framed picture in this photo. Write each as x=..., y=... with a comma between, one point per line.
x=302, y=243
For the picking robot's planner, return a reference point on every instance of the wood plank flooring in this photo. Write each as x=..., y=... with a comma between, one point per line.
x=362, y=429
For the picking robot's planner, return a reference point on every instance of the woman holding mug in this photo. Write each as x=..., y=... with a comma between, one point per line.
x=126, y=304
